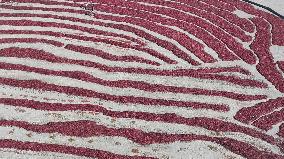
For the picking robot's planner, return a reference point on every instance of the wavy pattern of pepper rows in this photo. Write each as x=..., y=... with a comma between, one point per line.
x=140, y=79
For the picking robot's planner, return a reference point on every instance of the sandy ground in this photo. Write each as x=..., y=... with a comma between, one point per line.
x=277, y=5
